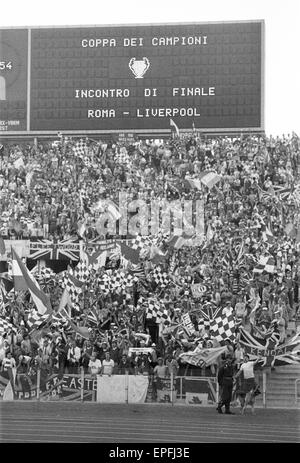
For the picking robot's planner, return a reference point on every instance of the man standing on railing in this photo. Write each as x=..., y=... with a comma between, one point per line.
x=225, y=380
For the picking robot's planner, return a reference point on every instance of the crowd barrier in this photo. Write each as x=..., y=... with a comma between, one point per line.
x=82, y=387
x=127, y=389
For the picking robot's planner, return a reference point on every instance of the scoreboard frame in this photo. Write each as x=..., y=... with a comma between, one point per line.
x=163, y=132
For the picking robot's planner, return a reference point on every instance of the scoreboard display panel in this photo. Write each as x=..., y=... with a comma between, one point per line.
x=13, y=79
x=133, y=78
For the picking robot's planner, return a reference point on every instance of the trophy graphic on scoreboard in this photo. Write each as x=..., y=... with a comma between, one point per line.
x=139, y=67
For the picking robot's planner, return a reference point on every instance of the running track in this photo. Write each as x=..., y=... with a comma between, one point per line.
x=38, y=422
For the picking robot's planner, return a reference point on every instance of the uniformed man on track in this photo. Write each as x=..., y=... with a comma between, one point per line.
x=225, y=380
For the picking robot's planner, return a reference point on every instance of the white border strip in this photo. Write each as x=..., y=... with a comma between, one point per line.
x=263, y=76
x=81, y=26
x=28, y=78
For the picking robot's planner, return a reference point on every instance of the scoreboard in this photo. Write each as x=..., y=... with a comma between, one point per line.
x=132, y=78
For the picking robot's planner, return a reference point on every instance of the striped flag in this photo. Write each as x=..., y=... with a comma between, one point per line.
x=92, y=318
x=40, y=299
x=136, y=270
x=271, y=352
x=175, y=127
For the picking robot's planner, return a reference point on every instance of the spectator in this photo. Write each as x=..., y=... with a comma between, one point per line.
x=107, y=365
x=94, y=365
x=124, y=366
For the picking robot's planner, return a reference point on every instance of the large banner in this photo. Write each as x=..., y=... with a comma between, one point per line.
x=52, y=387
x=68, y=387
x=25, y=386
x=68, y=249
x=122, y=388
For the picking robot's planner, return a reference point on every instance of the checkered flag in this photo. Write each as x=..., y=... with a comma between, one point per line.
x=223, y=328
x=6, y=326
x=161, y=238
x=140, y=243
x=122, y=280
x=203, y=323
x=82, y=272
x=141, y=303
x=35, y=320
x=157, y=312
x=80, y=148
x=161, y=278
x=117, y=280
x=129, y=280
x=104, y=283
x=265, y=264
x=74, y=289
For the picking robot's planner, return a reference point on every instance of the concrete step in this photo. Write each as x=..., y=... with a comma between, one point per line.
x=278, y=403
x=287, y=374
x=281, y=388
x=283, y=405
x=293, y=368
x=279, y=398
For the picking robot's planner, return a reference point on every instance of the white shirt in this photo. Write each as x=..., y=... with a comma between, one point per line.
x=247, y=369
x=108, y=366
x=95, y=366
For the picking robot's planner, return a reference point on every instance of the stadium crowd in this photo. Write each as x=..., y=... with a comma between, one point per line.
x=247, y=264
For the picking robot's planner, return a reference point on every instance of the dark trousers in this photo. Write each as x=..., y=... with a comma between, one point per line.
x=226, y=393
